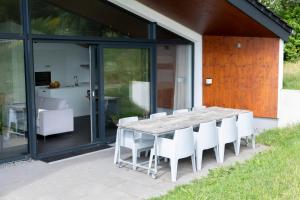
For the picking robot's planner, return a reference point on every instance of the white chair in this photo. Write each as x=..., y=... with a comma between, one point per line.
x=181, y=146
x=198, y=108
x=206, y=138
x=175, y=112
x=245, y=129
x=227, y=133
x=131, y=140
x=158, y=115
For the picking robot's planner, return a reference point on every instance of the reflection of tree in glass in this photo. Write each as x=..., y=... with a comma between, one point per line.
x=121, y=67
x=10, y=20
x=52, y=20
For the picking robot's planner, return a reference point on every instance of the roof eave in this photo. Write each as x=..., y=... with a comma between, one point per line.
x=262, y=18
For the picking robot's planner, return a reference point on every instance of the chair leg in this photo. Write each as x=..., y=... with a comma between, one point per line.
x=193, y=158
x=116, y=154
x=246, y=140
x=174, y=164
x=116, y=151
x=146, y=153
x=221, y=152
x=237, y=145
x=199, y=153
x=139, y=154
x=253, y=141
x=150, y=160
x=216, y=150
x=134, y=158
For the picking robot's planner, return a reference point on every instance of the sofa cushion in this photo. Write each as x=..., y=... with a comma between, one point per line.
x=49, y=103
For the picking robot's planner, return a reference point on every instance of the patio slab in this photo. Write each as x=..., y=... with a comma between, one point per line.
x=93, y=176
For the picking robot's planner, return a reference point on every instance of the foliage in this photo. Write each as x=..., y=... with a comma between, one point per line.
x=291, y=76
x=273, y=174
x=289, y=11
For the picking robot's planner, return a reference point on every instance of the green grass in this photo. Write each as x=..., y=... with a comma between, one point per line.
x=273, y=174
x=291, y=76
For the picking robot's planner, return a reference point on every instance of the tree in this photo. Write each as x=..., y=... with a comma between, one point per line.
x=289, y=11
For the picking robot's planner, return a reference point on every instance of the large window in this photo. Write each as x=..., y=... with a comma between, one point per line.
x=13, y=114
x=10, y=18
x=81, y=18
x=174, y=77
x=126, y=85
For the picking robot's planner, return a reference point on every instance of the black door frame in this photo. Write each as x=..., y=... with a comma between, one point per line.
x=98, y=132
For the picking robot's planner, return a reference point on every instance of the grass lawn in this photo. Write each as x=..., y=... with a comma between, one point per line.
x=291, y=76
x=274, y=174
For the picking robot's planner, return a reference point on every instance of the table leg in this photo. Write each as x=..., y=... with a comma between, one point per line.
x=155, y=157
x=116, y=148
x=119, y=147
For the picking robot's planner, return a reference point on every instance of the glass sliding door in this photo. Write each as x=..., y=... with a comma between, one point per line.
x=13, y=111
x=126, y=85
x=63, y=74
x=174, y=77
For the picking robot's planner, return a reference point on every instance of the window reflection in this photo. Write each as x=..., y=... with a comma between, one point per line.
x=10, y=20
x=126, y=85
x=13, y=122
x=174, y=86
x=78, y=18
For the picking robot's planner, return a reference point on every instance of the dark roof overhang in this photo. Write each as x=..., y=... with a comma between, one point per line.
x=264, y=16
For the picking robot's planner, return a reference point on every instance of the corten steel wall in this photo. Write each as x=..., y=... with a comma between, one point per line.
x=244, y=76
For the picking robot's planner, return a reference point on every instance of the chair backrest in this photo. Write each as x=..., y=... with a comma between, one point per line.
x=245, y=124
x=228, y=130
x=175, y=112
x=207, y=136
x=184, y=142
x=198, y=108
x=127, y=137
x=126, y=120
x=158, y=115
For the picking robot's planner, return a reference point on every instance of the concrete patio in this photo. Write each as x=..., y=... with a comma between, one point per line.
x=93, y=176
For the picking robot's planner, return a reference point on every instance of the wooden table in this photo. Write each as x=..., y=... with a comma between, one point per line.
x=170, y=123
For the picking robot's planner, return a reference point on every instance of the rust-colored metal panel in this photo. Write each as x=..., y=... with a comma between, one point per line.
x=244, y=72
x=210, y=17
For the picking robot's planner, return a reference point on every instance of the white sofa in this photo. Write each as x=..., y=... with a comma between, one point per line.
x=54, y=116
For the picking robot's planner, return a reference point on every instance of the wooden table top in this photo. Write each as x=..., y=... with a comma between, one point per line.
x=170, y=123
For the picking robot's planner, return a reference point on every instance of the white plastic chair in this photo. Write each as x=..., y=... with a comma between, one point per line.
x=245, y=129
x=206, y=138
x=131, y=140
x=181, y=146
x=198, y=108
x=175, y=112
x=227, y=133
x=158, y=115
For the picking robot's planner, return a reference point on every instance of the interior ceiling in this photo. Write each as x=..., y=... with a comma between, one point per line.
x=210, y=17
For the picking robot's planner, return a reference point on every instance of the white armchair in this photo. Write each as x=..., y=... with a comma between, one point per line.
x=54, y=116
x=206, y=138
x=181, y=146
x=198, y=108
x=227, y=133
x=158, y=115
x=175, y=112
x=245, y=129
